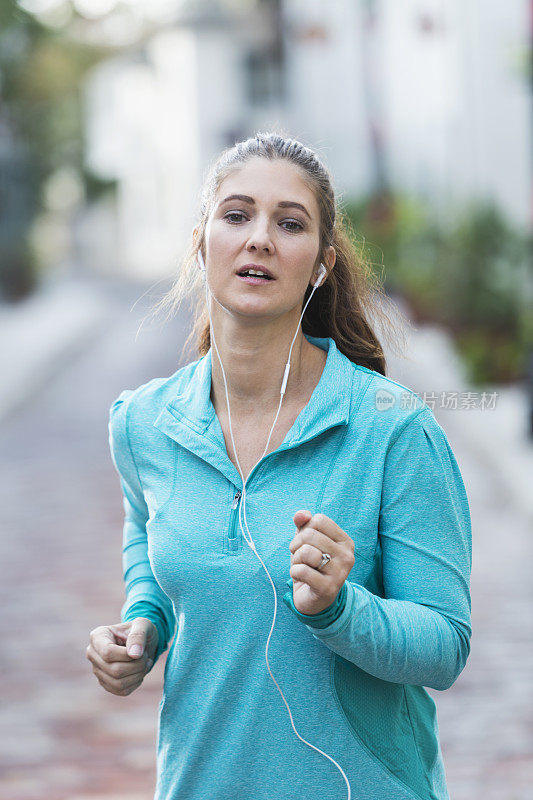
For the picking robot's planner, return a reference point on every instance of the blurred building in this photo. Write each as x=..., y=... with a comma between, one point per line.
x=425, y=96
x=456, y=102
x=157, y=115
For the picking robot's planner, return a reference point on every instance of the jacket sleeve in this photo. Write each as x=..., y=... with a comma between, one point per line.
x=419, y=631
x=144, y=596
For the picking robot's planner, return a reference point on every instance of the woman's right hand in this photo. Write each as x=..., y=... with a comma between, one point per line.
x=117, y=670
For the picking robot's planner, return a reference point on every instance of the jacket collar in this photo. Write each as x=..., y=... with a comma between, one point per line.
x=189, y=417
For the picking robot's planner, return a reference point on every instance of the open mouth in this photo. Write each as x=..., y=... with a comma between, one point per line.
x=254, y=276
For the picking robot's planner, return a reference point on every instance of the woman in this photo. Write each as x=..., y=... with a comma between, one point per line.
x=378, y=563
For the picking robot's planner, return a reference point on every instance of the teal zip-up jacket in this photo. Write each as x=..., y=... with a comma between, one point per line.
x=367, y=453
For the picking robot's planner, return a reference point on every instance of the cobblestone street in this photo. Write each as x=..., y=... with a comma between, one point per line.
x=63, y=737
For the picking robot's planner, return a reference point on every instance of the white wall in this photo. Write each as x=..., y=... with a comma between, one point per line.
x=457, y=109
x=157, y=125
x=143, y=129
x=326, y=103
x=493, y=136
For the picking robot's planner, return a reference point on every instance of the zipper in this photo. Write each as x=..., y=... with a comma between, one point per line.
x=236, y=499
x=233, y=541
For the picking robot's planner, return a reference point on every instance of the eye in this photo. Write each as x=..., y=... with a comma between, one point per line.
x=233, y=214
x=299, y=226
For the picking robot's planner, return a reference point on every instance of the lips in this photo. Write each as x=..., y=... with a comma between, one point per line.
x=255, y=266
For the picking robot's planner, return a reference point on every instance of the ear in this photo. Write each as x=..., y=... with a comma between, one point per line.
x=329, y=261
x=196, y=244
x=331, y=257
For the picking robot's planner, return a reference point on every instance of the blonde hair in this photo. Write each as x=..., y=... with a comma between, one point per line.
x=344, y=305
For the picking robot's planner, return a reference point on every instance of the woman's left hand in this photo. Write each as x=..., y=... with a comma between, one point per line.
x=314, y=590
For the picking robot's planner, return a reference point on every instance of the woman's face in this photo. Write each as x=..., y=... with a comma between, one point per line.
x=273, y=224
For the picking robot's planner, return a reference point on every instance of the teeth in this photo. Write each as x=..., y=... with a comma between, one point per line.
x=256, y=272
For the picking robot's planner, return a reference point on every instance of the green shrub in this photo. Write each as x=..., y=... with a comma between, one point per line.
x=472, y=276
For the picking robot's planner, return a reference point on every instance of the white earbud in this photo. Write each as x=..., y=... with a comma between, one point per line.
x=322, y=271
x=202, y=265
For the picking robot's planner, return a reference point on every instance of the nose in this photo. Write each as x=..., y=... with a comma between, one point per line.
x=259, y=238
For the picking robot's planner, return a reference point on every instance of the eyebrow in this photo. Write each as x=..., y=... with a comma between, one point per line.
x=282, y=204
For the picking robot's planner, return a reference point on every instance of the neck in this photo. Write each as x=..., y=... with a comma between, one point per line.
x=254, y=364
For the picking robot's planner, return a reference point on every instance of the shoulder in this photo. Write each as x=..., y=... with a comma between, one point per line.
x=401, y=434
x=143, y=403
x=403, y=427
x=386, y=407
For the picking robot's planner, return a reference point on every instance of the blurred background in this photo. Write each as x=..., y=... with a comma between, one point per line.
x=110, y=113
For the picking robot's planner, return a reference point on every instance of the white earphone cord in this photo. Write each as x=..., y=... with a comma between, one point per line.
x=250, y=541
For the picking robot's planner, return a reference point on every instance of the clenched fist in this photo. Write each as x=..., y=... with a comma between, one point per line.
x=313, y=590
x=123, y=654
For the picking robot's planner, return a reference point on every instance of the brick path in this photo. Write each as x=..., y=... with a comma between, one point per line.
x=62, y=736
x=486, y=718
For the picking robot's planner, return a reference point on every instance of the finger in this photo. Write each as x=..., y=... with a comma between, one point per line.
x=317, y=581
x=104, y=642
x=121, y=630
x=328, y=527
x=138, y=636
x=118, y=669
x=307, y=554
x=115, y=685
x=315, y=538
x=301, y=517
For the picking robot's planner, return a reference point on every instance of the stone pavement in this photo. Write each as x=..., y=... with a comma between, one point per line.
x=47, y=329
x=62, y=736
x=486, y=718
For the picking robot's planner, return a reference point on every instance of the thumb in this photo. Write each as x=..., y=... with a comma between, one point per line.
x=301, y=517
x=136, y=640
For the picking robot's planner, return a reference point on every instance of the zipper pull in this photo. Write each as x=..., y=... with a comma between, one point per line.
x=236, y=500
